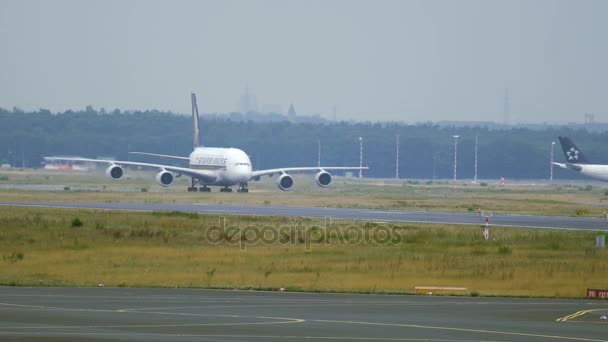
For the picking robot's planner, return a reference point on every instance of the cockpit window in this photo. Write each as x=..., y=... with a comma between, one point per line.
x=244, y=164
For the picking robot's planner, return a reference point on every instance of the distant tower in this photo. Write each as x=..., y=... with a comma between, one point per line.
x=248, y=102
x=291, y=113
x=589, y=119
x=507, y=107
x=335, y=110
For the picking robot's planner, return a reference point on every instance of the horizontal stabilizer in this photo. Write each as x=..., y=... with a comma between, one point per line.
x=560, y=165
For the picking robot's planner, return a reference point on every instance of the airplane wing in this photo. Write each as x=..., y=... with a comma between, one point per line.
x=204, y=175
x=271, y=172
x=161, y=156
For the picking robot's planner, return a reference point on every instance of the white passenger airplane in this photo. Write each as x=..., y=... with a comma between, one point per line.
x=212, y=166
x=576, y=161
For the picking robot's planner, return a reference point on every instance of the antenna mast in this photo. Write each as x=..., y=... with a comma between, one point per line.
x=475, y=177
x=397, y=159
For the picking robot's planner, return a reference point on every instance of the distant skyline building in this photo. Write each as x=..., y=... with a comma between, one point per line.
x=291, y=113
x=247, y=102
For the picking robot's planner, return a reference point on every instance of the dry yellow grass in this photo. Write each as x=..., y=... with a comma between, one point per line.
x=41, y=247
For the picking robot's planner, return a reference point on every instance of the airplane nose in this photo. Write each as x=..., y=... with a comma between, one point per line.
x=243, y=174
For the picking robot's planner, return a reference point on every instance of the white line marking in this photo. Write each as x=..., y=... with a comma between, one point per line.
x=496, y=332
x=342, y=338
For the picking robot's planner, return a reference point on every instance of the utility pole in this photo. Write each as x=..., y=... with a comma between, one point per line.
x=397, y=159
x=455, y=155
x=434, y=166
x=551, y=163
x=475, y=177
x=318, y=152
x=360, y=157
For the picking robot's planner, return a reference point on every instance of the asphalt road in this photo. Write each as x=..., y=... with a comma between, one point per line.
x=101, y=314
x=501, y=220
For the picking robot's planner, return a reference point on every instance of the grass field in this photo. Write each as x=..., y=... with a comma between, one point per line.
x=47, y=247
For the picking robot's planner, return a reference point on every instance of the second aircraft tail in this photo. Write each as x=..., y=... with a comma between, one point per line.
x=572, y=153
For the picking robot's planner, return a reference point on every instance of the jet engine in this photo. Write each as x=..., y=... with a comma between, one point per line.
x=114, y=171
x=323, y=179
x=285, y=182
x=165, y=178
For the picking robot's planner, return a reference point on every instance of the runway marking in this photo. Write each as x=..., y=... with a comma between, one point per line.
x=341, y=338
x=482, y=331
x=25, y=306
x=72, y=327
x=577, y=314
x=281, y=320
x=285, y=303
x=280, y=299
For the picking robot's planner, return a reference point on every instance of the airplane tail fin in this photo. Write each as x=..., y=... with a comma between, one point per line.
x=195, y=122
x=572, y=153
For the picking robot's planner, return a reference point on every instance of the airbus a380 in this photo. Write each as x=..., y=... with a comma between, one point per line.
x=212, y=166
x=576, y=161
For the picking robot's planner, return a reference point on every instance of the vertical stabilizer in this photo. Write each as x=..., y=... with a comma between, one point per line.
x=573, y=154
x=195, y=122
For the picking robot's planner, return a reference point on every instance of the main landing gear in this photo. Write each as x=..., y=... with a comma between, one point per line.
x=193, y=187
x=243, y=187
x=195, y=182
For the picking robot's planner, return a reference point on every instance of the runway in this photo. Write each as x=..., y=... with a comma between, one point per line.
x=500, y=220
x=101, y=314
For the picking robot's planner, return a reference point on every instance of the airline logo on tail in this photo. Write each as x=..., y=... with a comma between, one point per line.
x=572, y=154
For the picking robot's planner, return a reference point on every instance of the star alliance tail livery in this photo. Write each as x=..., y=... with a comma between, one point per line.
x=212, y=166
x=576, y=161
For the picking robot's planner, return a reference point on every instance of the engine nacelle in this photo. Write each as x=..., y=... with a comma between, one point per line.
x=115, y=172
x=165, y=178
x=285, y=182
x=323, y=179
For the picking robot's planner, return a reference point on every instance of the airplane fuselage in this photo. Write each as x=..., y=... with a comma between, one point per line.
x=591, y=170
x=232, y=165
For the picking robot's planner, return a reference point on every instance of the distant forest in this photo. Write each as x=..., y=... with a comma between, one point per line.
x=426, y=150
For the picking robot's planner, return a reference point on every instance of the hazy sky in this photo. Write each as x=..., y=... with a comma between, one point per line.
x=375, y=60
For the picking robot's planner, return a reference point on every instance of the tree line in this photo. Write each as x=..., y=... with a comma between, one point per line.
x=426, y=151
